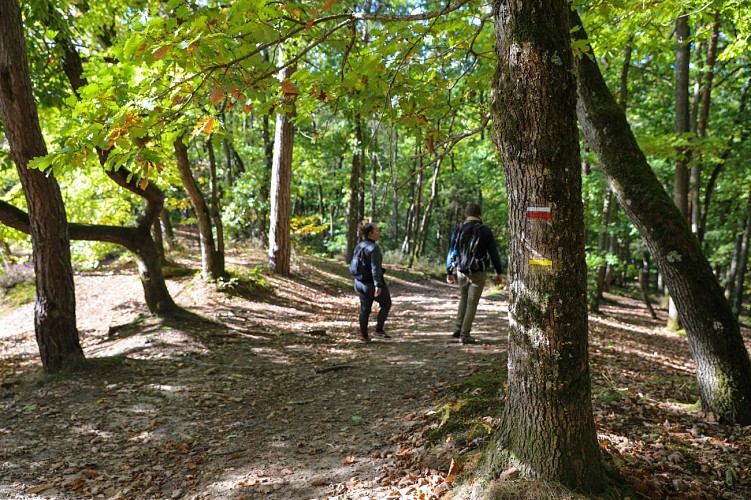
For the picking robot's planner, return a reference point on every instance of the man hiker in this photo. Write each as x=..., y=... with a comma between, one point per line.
x=467, y=263
x=369, y=283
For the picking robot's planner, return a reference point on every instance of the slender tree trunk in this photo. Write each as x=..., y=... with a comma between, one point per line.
x=737, y=303
x=408, y=223
x=411, y=219
x=422, y=237
x=354, y=215
x=216, y=212
x=734, y=263
x=547, y=429
x=373, y=185
x=168, y=232
x=682, y=127
x=723, y=368
x=415, y=222
x=602, y=250
x=280, y=245
x=208, y=250
x=701, y=127
x=682, y=111
x=229, y=176
x=55, y=306
x=265, y=187
x=644, y=284
x=734, y=141
x=321, y=202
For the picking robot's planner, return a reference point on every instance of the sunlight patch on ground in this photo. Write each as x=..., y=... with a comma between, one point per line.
x=89, y=430
x=668, y=361
x=163, y=344
x=272, y=354
x=620, y=325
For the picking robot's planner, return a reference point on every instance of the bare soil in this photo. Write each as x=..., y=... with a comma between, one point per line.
x=267, y=394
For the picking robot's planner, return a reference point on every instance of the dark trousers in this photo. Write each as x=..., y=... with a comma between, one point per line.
x=366, y=292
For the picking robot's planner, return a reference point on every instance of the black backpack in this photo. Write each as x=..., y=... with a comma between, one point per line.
x=469, y=248
x=359, y=266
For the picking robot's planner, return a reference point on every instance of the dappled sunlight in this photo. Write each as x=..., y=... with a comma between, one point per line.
x=275, y=398
x=159, y=342
x=89, y=430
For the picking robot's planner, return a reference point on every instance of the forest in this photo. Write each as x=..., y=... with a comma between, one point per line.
x=181, y=188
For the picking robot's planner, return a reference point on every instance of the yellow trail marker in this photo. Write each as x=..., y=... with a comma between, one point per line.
x=540, y=262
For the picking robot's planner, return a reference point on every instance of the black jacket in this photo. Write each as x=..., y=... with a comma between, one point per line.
x=491, y=248
x=374, y=259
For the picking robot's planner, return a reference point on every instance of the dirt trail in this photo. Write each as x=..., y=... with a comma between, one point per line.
x=245, y=398
x=242, y=399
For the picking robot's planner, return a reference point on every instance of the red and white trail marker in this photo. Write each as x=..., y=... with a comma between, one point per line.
x=538, y=212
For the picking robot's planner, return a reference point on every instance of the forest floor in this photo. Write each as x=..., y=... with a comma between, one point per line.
x=265, y=393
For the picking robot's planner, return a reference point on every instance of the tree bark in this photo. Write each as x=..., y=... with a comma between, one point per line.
x=723, y=368
x=547, y=429
x=732, y=271
x=422, y=236
x=644, y=284
x=281, y=177
x=168, y=232
x=602, y=251
x=216, y=212
x=682, y=127
x=354, y=214
x=156, y=235
x=701, y=128
x=209, y=262
x=740, y=277
x=55, y=306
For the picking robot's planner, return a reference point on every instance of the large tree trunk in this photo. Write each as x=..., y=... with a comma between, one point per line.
x=281, y=178
x=209, y=262
x=55, y=307
x=723, y=368
x=547, y=428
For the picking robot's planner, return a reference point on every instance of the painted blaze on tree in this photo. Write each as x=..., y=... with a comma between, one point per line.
x=548, y=427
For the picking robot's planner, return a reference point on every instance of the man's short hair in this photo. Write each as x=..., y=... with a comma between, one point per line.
x=367, y=228
x=473, y=210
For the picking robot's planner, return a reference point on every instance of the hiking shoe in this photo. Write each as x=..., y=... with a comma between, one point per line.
x=457, y=334
x=364, y=340
x=382, y=335
x=467, y=341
